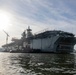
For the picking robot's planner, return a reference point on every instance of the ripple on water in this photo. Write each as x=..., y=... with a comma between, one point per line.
x=37, y=64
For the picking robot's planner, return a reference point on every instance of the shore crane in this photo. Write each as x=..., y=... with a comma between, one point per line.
x=6, y=36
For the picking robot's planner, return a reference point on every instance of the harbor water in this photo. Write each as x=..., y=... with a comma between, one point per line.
x=37, y=64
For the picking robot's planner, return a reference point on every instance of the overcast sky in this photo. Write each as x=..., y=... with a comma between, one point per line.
x=39, y=15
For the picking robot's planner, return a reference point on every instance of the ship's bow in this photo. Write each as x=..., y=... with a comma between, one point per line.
x=65, y=45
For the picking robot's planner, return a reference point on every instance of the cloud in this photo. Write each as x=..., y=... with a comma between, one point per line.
x=56, y=14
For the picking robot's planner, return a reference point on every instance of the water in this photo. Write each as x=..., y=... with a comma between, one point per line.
x=37, y=64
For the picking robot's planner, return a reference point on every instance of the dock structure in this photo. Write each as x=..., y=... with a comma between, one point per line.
x=18, y=45
x=13, y=46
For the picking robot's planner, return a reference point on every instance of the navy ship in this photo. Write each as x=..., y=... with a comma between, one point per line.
x=48, y=41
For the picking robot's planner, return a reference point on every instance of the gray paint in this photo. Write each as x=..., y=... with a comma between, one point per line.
x=45, y=44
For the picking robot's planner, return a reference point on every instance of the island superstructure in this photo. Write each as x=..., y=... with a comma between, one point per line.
x=48, y=41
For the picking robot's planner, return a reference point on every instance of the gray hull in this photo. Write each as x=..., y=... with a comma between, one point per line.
x=54, y=44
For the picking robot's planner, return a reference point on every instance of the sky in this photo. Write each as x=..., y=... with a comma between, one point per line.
x=40, y=15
